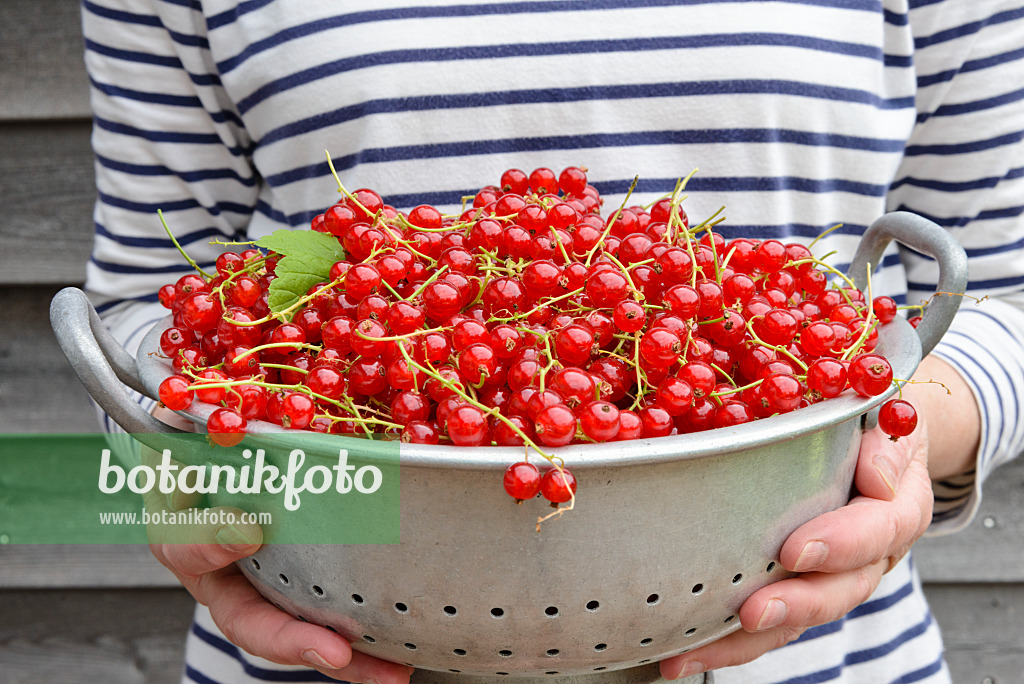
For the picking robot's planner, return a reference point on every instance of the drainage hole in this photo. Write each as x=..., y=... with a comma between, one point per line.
x=690, y=632
x=497, y=612
x=283, y=578
x=771, y=566
x=368, y=639
x=593, y=605
x=459, y=651
x=552, y=651
x=697, y=588
x=401, y=607
x=730, y=619
x=356, y=598
x=551, y=672
x=505, y=653
x=318, y=590
x=600, y=647
x=450, y=610
x=598, y=669
x=411, y=647
x=551, y=611
x=646, y=642
x=503, y=674
x=737, y=577
x=653, y=599
x=255, y=564
x=644, y=661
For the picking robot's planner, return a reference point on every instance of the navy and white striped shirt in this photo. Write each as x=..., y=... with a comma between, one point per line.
x=800, y=114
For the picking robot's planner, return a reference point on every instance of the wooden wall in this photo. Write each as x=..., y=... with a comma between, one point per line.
x=111, y=614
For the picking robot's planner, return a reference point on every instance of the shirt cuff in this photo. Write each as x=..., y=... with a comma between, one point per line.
x=984, y=344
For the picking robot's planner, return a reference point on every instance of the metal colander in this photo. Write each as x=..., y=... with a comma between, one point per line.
x=668, y=538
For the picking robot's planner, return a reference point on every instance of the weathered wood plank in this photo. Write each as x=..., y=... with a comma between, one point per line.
x=38, y=390
x=991, y=549
x=84, y=566
x=118, y=635
x=112, y=636
x=47, y=190
x=41, y=48
x=981, y=626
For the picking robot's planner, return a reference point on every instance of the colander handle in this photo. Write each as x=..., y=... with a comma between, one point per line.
x=100, y=362
x=924, y=236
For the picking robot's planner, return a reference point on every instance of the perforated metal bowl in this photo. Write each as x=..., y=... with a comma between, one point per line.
x=668, y=539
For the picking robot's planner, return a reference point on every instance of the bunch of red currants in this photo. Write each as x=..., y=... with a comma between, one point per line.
x=527, y=319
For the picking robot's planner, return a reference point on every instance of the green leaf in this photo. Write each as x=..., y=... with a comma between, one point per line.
x=293, y=281
x=309, y=245
x=306, y=261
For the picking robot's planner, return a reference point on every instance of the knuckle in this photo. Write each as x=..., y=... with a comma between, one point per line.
x=864, y=584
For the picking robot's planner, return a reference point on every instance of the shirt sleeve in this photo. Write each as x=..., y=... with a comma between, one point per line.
x=964, y=169
x=166, y=137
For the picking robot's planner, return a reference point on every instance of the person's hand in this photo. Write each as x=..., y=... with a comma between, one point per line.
x=841, y=555
x=202, y=557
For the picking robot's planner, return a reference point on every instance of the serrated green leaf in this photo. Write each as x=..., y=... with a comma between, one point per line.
x=307, y=257
x=303, y=244
x=293, y=281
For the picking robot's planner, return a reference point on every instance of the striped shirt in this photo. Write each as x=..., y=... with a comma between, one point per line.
x=800, y=114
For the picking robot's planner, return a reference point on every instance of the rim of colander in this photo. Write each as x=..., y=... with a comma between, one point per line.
x=897, y=341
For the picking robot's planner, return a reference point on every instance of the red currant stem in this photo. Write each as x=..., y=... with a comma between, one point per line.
x=540, y=305
x=723, y=374
x=823, y=234
x=397, y=338
x=625, y=271
x=341, y=188
x=390, y=289
x=190, y=260
x=779, y=349
x=559, y=511
x=491, y=411
x=353, y=419
x=561, y=247
x=725, y=261
x=870, y=322
x=351, y=406
x=283, y=366
x=551, y=361
x=708, y=223
x=278, y=345
x=402, y=221
x=249, y=268
x=711, y=320
x=636, y=365
x=674, y=222
x=830, y=269
x=611, y=221
x=428, y=281
x=408, y=245
x=735, y=389
x=283, y=313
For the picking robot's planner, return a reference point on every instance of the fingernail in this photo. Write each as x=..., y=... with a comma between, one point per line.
x=231, y=537
x=690, y=668
x=314, y=658
x=774, y=613
x=813, y=555
x=887, y=470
